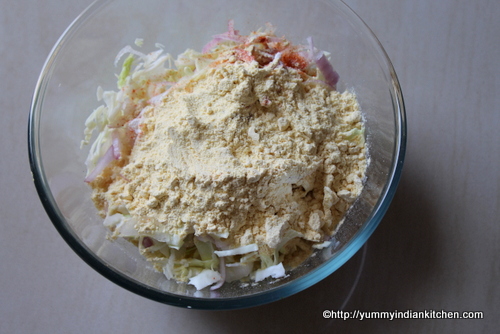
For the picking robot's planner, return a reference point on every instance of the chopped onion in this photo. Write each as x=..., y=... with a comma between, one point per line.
x=210, y=45
x=230, y=28
x=220, y=38
x=331, y=76
x=230, y=35
x=147, y=242
x=326, y=68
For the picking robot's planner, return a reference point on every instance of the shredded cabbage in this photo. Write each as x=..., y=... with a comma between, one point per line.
x=354, y=134
x=238, y=251
x=205, y=278
x=322, y=245
x=125, y=71
x=275, y=271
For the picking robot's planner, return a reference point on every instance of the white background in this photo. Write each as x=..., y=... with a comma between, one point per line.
x=438, y=247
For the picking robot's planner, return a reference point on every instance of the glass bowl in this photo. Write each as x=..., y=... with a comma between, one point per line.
x=83, y=59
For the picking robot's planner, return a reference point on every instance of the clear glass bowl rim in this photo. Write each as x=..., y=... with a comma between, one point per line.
x=285, y=290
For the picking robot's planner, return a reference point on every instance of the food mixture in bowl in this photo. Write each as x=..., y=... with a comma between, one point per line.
x=232, y=163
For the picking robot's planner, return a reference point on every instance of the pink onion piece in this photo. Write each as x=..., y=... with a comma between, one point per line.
x=220, y=38
x=147, y=242
x=230, y=35
x=103, y=162
x=331, y=76
x=230, y=28
x=210, y=45
x=222, y=271
x=326, y=68
x=235, y=38
x=215, y=41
